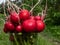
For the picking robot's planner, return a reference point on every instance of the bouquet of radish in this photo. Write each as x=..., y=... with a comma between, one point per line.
x=23, y=22
x=23, y=26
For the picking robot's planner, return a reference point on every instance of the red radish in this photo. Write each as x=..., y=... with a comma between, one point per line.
x=40, y=25
x=32, y=17
x=13, y=13
x=14, y=17
x=5, y=30
x=9, y=26
x=29, y=25
x=24, y=14
x=11, y=38
x=37, y=17
x=19, y=28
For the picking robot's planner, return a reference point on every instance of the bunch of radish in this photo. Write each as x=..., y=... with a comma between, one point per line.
x=23, y=22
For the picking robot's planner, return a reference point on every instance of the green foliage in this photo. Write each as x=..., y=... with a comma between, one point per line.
x=52, y=32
